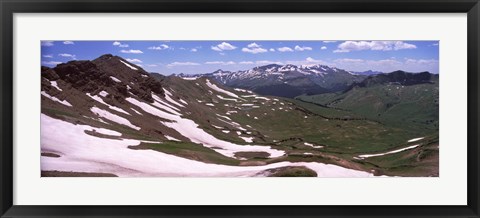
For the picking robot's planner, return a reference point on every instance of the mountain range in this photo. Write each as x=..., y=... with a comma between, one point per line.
x=286, y=80
x=110, y=117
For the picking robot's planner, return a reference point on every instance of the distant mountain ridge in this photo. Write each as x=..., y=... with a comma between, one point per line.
x=286, y=80
x=368, y=72
x=398, y=78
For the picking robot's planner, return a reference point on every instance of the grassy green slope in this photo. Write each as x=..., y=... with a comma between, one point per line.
x=413, y=108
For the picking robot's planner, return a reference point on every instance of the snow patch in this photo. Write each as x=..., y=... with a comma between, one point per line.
x=311, y=145
x=228, y=118
x=100, y=100
x=216, y=88
x=226, y=99
x=115, y=79
x=55, y=84
x=247, y=139
x=415, y=139
x=136, y=111
x=264, y=98
x=128, y=65
x=115, y=118
x=390, y=152
x=163, y=106
x=184, y=102
x=64, y=102
x=104, y=93
x=171, y=138
x=168, y=97
x=190, y=78
x=242, y=90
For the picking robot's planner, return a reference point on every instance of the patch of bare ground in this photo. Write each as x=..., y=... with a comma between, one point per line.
x=250, y=155
x=48, y=154
x=289, y=171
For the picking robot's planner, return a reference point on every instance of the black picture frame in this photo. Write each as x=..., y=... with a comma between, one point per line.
x=9, y=7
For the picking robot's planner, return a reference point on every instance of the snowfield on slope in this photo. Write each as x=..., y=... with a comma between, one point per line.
x=216, y=88
x=100, y=100
x=113, y=117
x=192, y=131
x=81, y=152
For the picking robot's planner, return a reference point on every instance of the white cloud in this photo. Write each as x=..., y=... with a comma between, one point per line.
x=246, y=62
x=224, y=46
x=67, y=55
x=265, y=62
x=348, y=46
x=152, y=65
x=220, y=62
x=329, y=41
x=284, y=49
x=51, y=63
x=253, y=45
x=272, y=49
x=47, y=56
x=308, y=61
x=254, y=48
x=68, y=43
x=175, y=64
x=131, y=51
x=160, y=47
x=47, y=43
x=323, y=48
x=119, y=44
x=193, y=50
x=303, y=48
x=435, y=44
x=312, y=60
x=134, y=60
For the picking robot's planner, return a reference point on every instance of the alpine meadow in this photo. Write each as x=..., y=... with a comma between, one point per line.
x=239, y=108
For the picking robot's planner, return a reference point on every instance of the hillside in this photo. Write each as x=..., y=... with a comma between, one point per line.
x=406, y=100
x=110, y=117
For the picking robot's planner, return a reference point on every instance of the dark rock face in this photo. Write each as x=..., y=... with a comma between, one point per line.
x=83, y=75
x=398, y=77
x=106, y=71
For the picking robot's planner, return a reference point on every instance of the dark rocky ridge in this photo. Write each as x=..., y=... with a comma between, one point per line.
x=94, y=76
x=397, y=77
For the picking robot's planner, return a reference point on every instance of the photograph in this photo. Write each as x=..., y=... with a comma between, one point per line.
x=239, y=108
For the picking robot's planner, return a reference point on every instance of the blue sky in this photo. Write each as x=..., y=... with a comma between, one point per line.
x=192, y=57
